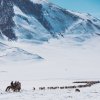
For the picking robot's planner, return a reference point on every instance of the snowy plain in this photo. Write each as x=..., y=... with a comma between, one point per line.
x=64, y=61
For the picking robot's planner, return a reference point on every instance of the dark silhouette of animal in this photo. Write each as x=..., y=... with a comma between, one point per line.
x=41, y=88
x=62, y=87
x=33, y=88
x=15, y=87
x=9, y=88
x=70, y=87
x=66, y=87
x=53, y=88
x=77, y=90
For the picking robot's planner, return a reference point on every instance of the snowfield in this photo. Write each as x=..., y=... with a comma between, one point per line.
x=64, y=61
x=48, y=47
x=27, y=93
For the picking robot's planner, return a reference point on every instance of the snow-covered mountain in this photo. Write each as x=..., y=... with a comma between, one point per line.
x=30, y=22
x=16, y=54
x=40, y=20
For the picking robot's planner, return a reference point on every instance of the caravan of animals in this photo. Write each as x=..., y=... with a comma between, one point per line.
x=16, y=86
x=54, y=53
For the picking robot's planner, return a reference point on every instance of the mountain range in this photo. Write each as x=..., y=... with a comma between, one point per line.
x=39, y=21
x=42, y=20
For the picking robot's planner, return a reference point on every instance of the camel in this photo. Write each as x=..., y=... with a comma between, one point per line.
x=15, y=87
x=9, y=88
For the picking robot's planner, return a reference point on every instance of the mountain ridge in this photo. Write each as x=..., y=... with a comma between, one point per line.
x=42, y=21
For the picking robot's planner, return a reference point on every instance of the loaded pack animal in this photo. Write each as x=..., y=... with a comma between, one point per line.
x=41, y=88
x=15, y=87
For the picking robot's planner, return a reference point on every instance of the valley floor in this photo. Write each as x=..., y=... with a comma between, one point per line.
x=91, y=93
x=63, y=61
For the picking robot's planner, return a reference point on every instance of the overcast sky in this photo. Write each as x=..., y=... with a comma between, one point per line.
x=87, y=6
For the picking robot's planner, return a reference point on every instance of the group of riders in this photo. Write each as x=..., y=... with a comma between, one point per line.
x=14, y=86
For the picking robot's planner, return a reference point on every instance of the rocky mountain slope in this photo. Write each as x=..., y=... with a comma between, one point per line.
x=42, y=20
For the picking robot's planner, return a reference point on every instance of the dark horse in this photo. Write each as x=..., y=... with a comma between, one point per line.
x=15, y=87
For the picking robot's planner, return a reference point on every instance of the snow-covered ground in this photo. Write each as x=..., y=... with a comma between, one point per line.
x=64, y=61
x=92, y=93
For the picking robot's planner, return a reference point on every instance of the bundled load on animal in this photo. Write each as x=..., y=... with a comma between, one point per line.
x=14, y=86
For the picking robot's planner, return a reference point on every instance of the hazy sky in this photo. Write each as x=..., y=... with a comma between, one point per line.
x=87, y=6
